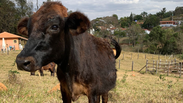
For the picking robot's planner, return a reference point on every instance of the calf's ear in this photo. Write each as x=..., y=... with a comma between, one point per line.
x=22, y=26
x=78, y=22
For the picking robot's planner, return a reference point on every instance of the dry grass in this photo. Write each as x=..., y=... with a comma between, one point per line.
x=131, y=87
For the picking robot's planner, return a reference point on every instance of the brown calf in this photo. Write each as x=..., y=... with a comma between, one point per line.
x=50, y=67
x=86, y=64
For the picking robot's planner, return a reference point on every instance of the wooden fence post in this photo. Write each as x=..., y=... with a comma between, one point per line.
x=157, y=67
x=138, y=56
x=119, y=64
x=180, y=69
x=168, y=68
x=7, y=51
x=175, y=61
x=132, y=65
x=145, y=56
x=123, y=56
x=171, y=65
x=160, y=63
x=165, y=56
x=146, y=65
x=153, y=64
x=177, y=65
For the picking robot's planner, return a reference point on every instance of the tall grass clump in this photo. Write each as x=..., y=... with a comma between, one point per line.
x=15, y=87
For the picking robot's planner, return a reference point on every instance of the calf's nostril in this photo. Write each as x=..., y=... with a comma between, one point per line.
x=26, y=63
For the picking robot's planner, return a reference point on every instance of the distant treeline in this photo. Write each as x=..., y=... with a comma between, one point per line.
x=11, y=12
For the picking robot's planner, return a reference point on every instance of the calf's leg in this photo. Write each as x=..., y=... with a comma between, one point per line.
x=94, y=99
x=52, y=71
x=41, y=72
x=105, y=98
x=65, y=96
x=32, y=73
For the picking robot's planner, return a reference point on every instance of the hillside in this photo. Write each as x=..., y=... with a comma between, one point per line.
x=176, y=18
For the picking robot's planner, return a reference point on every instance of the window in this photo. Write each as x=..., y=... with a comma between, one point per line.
x=15, y=41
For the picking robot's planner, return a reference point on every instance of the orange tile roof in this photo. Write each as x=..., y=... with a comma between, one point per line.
x=167, y=21
x=9, y=35
x=123, y=28
x=140, y=22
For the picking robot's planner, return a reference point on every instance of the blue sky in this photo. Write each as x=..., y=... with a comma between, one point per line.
x=101, y=8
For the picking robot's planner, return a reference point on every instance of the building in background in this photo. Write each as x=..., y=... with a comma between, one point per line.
x=168, y=23
x=12, y=41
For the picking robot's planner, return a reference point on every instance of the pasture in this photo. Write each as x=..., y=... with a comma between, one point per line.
x=131, y=87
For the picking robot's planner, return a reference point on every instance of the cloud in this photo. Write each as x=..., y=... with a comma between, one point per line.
x=101, y=8
x=100, y=2
x=168, y=0
x=124, y=1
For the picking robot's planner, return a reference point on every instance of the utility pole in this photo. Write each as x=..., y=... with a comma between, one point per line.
x=172, y=15
x=37, y=4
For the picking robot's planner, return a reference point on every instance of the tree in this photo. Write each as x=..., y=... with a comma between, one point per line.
x=161, y=13
x=168, y=14
x=12, y=12
x=144, y=15
x=151, y=22
x=125, y=22
x=102, y=33
x=7, y=14
x=110, y=20
x=157, y=35
x=133, y=33
x=69, y=12
x=131, y=17
x=178, y=10
x=162, y=41
x=138, y=17
x=119, y=33
x=116, y=16
x=24, y=8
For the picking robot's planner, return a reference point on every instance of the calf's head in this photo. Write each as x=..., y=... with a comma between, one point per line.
x=48, y=35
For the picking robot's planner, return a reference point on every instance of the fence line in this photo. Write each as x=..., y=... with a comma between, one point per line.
x=164, y=66
x=146, y=56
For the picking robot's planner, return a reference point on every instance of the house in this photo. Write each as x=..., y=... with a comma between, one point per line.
x=112, y=29
x=92, y=31
x=12, y=41
x=168, y=23
x=147, y=31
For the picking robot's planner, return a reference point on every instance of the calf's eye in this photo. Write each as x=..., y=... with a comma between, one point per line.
x=54, y=27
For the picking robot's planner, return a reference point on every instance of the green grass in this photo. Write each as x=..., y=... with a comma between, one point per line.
x=131, y=87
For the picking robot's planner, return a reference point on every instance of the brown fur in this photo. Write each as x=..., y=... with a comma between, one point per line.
x=22, y=27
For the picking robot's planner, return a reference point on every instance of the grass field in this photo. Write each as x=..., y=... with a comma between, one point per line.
x=131, y=87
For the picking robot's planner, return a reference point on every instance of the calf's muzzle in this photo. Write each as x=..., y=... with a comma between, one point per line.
x=26, y=63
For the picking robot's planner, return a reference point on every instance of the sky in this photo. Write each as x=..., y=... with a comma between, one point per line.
x=122, y=8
